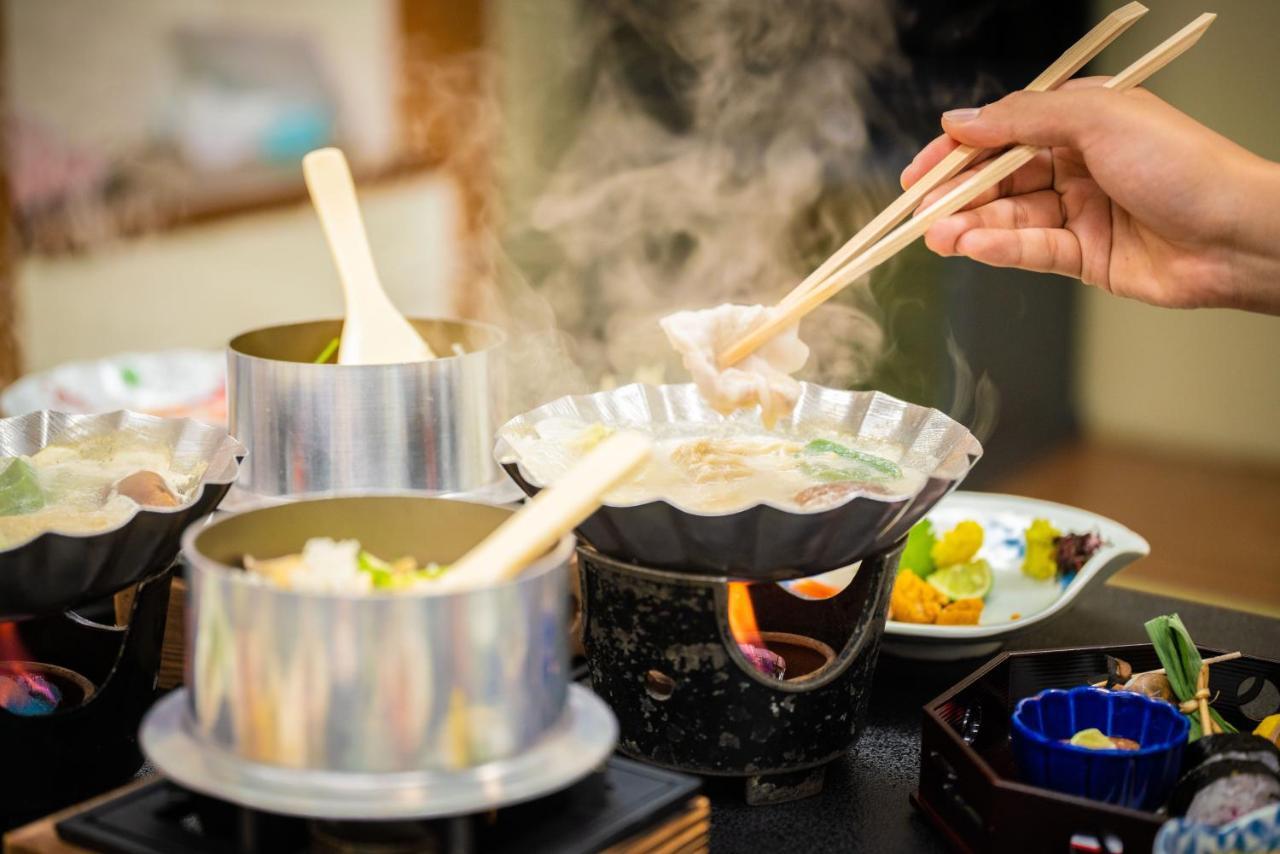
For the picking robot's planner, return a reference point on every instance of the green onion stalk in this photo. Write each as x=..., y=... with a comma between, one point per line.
x=1182, y=663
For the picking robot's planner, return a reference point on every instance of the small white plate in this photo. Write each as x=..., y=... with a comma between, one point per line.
x=172, y=383
x=1004, y=519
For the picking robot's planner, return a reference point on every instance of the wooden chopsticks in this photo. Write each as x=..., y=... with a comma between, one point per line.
x=1075, y=58
x=808, y=295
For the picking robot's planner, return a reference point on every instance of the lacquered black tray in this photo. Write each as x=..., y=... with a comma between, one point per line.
x=969, y=786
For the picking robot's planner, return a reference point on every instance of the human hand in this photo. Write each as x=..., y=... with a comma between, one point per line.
x=1130, y=195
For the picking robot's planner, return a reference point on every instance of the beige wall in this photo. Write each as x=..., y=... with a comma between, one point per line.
x=199, y=286
x=99, y=71
x=1202, y=380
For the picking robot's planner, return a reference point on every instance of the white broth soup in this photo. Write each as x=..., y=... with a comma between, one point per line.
x=729, y=469
x=87, y=486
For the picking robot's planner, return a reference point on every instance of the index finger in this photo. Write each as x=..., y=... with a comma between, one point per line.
x=926, y=159
x=943, y=145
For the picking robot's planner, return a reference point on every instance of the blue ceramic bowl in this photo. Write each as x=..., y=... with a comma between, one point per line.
x=1140, y=779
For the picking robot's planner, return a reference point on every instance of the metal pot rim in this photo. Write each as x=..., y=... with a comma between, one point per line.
x=965, y=453
x=499, y=337
x=555, y=558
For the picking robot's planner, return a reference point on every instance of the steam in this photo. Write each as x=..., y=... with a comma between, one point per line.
x=975, y=403
x=719, y=156
x=718, y=152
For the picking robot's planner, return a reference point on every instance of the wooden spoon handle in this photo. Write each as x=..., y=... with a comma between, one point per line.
x=551, y=514
x=333, y=193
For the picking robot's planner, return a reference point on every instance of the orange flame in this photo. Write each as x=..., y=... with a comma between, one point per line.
x=742, y=615
x=813, y=588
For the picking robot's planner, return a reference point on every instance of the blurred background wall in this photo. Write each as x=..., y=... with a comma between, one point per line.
x=154, y=158
x=1204, y=381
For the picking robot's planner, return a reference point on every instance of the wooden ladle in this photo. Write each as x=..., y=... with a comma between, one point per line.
x=552, y=513
x=375, y=332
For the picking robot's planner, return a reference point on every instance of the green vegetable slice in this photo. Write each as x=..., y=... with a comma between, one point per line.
x=867, y=467
x=385, y=578
x=1181, y=659
x=19, y=490
x=328, y=351
x=917, y=555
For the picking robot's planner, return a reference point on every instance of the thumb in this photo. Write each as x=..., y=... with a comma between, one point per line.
x=1034, y=118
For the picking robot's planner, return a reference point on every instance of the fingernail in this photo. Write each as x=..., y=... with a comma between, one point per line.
x=967, y=114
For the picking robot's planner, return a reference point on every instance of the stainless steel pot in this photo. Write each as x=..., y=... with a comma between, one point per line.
x=377, y=683
x=339, y=428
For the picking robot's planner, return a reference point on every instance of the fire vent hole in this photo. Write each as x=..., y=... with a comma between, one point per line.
x=659, y=685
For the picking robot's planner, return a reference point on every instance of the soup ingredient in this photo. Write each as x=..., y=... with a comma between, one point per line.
x=762, y=379
x=340, y=566
x=1074, y=551
x=959, y=545
x=712, y=461
x=962, y=612
x=329, y=349
x=1182, y=665
x=965, y=581
x=88, y=486
x=726, y=467
x=914, y=601
x=1095, y=739
x=832, y=462
x=1041, y=560
x=20, y=491
x=917, y=554
x=148, y=489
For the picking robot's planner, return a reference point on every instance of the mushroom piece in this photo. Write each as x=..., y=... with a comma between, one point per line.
x=147, y=488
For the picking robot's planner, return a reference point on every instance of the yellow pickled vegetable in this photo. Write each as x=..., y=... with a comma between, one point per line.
x=914, y=600
x=1093, y=738
x=1269, y=729
x=1041, y=560
x=959, y=545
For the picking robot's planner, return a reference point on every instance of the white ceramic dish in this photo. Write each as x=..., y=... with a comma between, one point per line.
x=1004, y=519
x=171, y=383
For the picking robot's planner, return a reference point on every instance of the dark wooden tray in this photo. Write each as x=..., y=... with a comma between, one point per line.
x=969, y=785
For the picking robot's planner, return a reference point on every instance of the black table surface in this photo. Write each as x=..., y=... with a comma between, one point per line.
x=864, y=805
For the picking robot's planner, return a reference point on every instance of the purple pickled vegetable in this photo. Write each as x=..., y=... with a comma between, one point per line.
x=1074, y=551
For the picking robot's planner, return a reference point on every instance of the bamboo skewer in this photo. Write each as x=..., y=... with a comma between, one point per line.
x=1075, y=58
x=1217, y=659
x=791, y=312
x=551, y=514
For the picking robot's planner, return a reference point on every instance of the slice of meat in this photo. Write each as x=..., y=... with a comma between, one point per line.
x=762, y=379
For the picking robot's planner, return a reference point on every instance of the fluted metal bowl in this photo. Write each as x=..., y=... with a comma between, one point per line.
x=58, y=572
x=379, y=682
x=762, y=542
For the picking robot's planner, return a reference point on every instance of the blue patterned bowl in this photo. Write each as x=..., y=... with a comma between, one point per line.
x=1139, y=779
